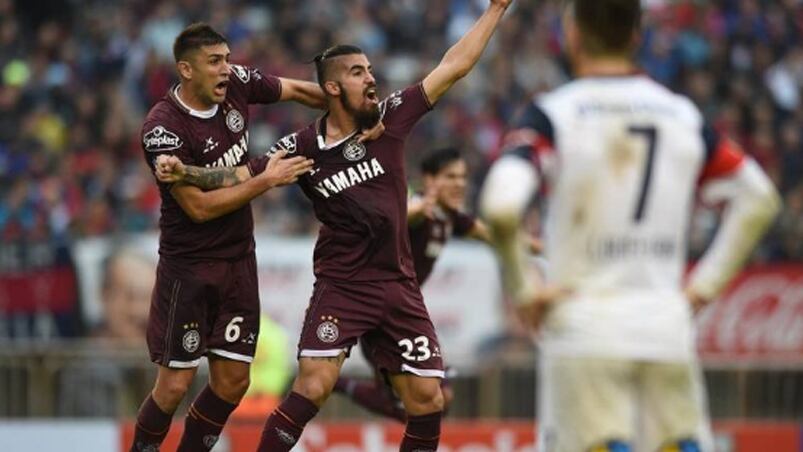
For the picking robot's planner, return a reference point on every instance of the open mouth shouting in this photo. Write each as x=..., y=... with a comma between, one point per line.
x=220, y=88
x=370, y=94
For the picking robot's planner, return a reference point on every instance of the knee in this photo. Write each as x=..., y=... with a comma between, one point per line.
x=314, y=389
x=169, y=392
x=425, y=398
x=230, y=386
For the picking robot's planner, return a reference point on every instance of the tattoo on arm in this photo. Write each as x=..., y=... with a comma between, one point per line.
x=211, y=178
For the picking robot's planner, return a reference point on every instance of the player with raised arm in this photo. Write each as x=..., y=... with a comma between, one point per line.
x=623, y=158
x=433, y=218
x=365, y=281
x=205, y=300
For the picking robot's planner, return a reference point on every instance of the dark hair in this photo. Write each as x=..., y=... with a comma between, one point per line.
x=323, y=60
x=607, y=26
x=439, y=159
x=194, y=37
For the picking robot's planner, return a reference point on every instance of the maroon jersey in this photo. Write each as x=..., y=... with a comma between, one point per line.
x=428, y=237
x=359, y=193
x=217, y=137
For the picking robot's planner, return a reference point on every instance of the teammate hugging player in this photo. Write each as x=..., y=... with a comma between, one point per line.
x=623, y=157
x=365, y=282
x=205, y=301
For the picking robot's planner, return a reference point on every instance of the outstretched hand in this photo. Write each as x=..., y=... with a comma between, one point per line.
x=169, y=169
x=285, y=171
x=502, y=3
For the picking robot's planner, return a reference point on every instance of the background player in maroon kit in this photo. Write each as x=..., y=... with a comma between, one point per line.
x=365, y=280
x=205, y=300
x=433, y=217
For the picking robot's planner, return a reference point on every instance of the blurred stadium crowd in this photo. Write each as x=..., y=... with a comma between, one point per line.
x=77, y=76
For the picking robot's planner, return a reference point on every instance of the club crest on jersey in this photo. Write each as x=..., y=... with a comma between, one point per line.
x=241, y=72
x=160, y=139
x=191, y=340
x=327, y=330
x=354, y=151
x=235, y=121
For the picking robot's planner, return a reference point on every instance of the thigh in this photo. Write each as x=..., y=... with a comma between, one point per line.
x=585, y=403
x=673, y=404
x=177, y=322
x=406, y=339
x=338, y=315
x=234, y=328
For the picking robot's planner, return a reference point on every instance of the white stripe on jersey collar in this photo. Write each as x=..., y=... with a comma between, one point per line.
x=321, y=135
x=203, y=114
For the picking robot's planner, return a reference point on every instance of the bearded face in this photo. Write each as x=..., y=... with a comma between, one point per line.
x=363, y=106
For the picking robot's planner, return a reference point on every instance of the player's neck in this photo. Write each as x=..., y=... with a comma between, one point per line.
x=190, y=99
x=605, y=66
x=339, y=125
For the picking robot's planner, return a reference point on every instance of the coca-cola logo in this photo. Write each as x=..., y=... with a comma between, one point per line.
x=762, y=314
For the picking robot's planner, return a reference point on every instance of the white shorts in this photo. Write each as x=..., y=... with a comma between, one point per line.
x=589, y=404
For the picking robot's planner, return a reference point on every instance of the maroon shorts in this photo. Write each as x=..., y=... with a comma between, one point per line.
x=200, y=307
x=389, y=316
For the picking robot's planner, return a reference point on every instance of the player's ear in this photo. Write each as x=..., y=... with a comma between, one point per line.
x=184, y=69
x=332, y=88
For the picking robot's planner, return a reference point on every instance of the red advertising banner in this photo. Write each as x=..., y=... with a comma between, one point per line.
x=470, y=436
x=760, y=316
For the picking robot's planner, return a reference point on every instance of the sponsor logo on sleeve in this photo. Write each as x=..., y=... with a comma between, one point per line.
x=395, y=100
x=235, y=121
x=160, y=139
x=287, y=143
x=241, y=72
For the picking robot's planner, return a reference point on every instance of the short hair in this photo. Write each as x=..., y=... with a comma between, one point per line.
x=439, y=159
x=194, y=37
x=323, y=60
x=607, y=26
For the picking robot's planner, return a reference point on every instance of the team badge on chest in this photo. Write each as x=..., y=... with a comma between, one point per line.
x=235, y=121
x=354, y=151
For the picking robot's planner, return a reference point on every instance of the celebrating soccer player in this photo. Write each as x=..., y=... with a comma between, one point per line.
x=623, y=157
x=365, y=285
x=205, y=301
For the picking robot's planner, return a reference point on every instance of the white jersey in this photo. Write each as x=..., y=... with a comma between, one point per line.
x=620, y=159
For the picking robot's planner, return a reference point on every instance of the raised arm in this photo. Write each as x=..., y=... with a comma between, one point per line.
x=208, y=193
x=303, y=92
x=464, y=54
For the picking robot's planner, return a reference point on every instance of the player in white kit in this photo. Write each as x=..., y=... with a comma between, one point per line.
x=621, y=159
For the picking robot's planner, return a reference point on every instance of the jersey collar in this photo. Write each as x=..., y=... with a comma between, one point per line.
x=320, y=128
x=203, y=114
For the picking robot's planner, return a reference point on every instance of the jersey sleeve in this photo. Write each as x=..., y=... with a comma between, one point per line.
x=402, y=110
x=463, y=223
x=723, y=156
x=160, y=136
x=259, y=88
x=532, y=138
